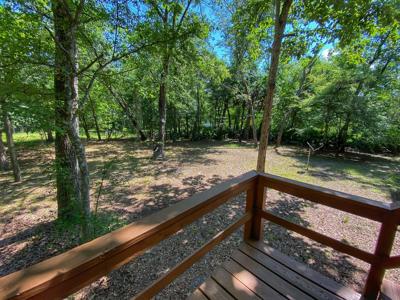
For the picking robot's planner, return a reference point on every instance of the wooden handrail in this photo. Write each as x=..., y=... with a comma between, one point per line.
x=367, y=208
x=387, y=214
x=320, y=238
x=66, y=273
x=392, y=262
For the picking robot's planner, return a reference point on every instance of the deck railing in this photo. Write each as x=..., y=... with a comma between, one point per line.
x=66, y=273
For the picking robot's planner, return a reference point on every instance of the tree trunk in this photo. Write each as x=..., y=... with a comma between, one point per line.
x=252, y=117
x=3, y=155
x=96, y=123
x=72, y=172
x=229, y=121
x=342, y=136
x=49, y=134
x=128, y=112
x=236, y=119
x=243, y=110
x=253, y=124
x=85, y=127
x=174, y=125
x=135, y=125
x=8, y=128
x=187, y=126
x=306, y=71
x=179, y=126
x=279, y=28
x=247, y=127
x=162, y=109
x=196, y=134
x=282, y=126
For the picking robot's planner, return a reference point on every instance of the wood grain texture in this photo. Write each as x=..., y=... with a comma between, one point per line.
x=302, y=276
x=392, y=262
x=278, y=283
x=371, y=209
x=253, y=283
x=214, y=291
x=231, y=284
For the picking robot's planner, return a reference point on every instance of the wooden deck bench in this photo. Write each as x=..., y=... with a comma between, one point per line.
x=254, y=271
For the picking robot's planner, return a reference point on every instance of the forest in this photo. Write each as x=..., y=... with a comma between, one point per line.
x=159, y=74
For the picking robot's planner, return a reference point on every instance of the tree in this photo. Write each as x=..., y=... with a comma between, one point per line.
x=72, y=172
x=3, y=155
x=174, y=20
x=281, y=15
x=9, y=130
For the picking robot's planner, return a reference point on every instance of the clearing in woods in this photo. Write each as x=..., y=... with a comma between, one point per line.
x=127, y=185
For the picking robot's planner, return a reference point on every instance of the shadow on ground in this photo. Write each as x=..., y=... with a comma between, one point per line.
x=366, y=170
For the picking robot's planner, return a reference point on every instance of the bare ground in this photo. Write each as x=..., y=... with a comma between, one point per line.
x=135, y=186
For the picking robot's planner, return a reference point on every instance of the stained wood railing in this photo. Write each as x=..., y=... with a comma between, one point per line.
x=387, y=214
x=65, y=274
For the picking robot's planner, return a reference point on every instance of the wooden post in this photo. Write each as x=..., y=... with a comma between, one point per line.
x=255, y=202
x=383, y=248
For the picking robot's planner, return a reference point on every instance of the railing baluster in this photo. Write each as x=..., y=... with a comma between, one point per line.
x=255, y=201
x=383, y=248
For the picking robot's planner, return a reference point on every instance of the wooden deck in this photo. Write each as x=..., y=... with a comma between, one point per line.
x=254, y=271
x=257, y=271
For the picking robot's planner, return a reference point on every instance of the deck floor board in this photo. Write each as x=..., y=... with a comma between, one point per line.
x=256, y=271
x=214, y=291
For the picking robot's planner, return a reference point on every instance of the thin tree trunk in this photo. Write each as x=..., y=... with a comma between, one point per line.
x=3, y=155
x=306, y=71
x=174, y=125
x=229, y=121
x=96, y=123
x=236, y=119
x=162, y=110
x=221, y=124
x=187, y=125
x=8, y=128
x=282, y=126
x=179, y=127
x=279, y=28
x=247, y=128
x=243, y=110
x=196, y=134
x=49, y=135
x=85, y=127
x=253, y=122
x=251, y=112
x=128, y=111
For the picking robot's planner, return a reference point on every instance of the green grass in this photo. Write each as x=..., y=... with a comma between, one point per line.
x=32, y=138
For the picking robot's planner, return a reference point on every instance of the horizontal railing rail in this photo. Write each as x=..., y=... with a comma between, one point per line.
x=66, y=273
x=321, y=238
x=387, y=214
x=158, y=285
x=363, y=207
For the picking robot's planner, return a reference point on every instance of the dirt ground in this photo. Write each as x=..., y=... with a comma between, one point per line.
x=128, y=185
